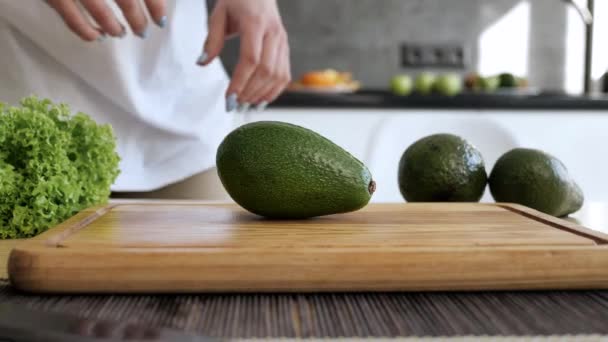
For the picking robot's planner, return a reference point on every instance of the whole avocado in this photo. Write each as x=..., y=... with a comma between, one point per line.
x=442, y=168
x=507, y=80
x=284, y=171
x=537, y=180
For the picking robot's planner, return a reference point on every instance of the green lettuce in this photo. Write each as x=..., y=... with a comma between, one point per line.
x=53, y=164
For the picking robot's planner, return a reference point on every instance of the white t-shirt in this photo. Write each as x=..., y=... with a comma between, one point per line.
x=168, y=113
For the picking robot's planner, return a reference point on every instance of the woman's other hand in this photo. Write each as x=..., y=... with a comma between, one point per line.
x=263, y=70
x=105, y=21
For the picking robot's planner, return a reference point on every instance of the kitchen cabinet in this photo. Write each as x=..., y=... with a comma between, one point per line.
x=378, y=137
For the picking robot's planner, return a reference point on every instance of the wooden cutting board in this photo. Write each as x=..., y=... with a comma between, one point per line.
x=203, y=247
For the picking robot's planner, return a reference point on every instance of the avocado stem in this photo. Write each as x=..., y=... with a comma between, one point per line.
x=371, y=187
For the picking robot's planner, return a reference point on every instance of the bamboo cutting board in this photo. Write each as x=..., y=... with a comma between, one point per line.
x=203, y=247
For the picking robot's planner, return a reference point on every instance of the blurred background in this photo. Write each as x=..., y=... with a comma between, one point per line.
x=542, y=40
x=514, y=73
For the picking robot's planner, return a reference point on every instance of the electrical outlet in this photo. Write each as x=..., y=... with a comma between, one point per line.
x=441, y=55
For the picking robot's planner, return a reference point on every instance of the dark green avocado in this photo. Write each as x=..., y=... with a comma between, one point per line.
x=537, y=180
x=442, y=168
x=284, y=171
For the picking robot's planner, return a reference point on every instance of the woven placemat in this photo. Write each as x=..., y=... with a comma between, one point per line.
x=565, y=338
x=346, y=315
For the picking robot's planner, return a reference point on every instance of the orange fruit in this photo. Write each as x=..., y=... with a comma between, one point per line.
x=325, y=78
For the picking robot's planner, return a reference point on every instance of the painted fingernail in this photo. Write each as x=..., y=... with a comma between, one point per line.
x=143, y=34
x=244, y=107
x=162, y=21
x=231, y=102
x=123, y=33
x=101, y=37
x=202, y=58
x=261, y=106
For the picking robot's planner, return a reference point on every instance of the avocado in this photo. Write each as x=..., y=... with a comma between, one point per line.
x=507, y=80
x=442, y=168
x=537, y=180
x=284, y=171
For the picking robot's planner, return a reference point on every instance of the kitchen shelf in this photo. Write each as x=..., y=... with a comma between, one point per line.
x=385, y=100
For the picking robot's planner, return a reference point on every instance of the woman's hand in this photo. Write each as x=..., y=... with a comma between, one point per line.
x=263, y=70
x=72, y=14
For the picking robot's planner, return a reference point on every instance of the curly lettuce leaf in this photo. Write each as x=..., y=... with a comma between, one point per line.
x=53, y=164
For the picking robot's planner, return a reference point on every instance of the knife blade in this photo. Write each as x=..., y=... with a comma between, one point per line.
x=20, y=324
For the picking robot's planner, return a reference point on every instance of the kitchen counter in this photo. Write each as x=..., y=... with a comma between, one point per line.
x=351, y=315
x=384, y=99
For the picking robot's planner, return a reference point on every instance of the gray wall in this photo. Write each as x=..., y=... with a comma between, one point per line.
x=364, y=35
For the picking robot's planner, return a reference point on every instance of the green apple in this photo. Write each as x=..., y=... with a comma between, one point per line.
x=402, y=85
x=490, y=83
x=448, y=84
x=424, y=83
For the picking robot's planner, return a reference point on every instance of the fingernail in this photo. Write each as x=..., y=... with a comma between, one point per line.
x=143, y=34
x=162, y=21
x=244, y=107
x=101, y=37
x=231, y=102
x=202, y=58
x=260, y=107
x=123, y=33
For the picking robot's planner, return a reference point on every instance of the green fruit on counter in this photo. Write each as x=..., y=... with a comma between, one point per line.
x=442, y=168
x=424, y=83
x=507, y=80
x=448, y=85
x=522, y=82
x=490, y=83
x=537, y=180
x=280, y=170
x=473, y=82
x=402, y=85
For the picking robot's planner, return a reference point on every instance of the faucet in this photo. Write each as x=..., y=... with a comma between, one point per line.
x=583, y=11
x=586, y=14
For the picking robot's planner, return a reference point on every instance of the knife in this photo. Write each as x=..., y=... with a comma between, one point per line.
x=19, y=324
